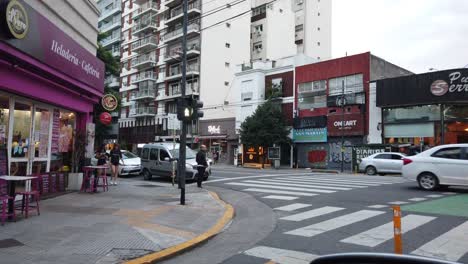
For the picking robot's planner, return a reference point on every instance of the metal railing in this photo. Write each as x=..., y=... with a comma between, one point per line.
x=144, y=41
x=117, y=7
x=144, y=75
x=178, y=31
x=178, y=10
x=143, y=58
x=144, y=24
x=144, y=7
x=106, y=41
x=146, y=93
x=113, y=23
x=175, y=52
x=190, y=68
x=148, y=110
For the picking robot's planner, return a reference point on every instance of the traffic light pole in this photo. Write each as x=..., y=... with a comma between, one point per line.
x=183, y=134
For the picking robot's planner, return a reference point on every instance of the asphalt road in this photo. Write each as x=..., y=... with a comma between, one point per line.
x=292, y=216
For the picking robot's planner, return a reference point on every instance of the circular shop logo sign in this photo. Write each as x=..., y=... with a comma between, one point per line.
x=109, y=102
x=17, y=19
x=439, y=87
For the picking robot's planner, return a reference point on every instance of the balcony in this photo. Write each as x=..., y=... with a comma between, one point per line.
x=144, y=26
x=112, y=81
x=173, y=3
x=143, y=111
x=110, y=40
x=146, y=8
x=192, y=29
x=145, y=94
x=175, y=92
x=176, y=14
x=144, y=61
x=111, y=25
x=145, y=44
x=174, y=54
x=145, y=76
x=174, y=74
x=117, y=7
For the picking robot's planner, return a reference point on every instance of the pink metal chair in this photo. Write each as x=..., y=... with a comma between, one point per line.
x=31, y=195
x=101, y=174
x=88, y=182
x=4, y=199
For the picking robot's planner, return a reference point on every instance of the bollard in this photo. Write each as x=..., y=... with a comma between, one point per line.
x=397, y=229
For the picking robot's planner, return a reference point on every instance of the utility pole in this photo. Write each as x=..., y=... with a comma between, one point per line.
x=183, y=134
x=342, y=124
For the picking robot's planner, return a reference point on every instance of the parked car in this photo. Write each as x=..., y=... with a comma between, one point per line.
x=382, y=163
x=157, y=158
x=131, y=166
x=439, y=166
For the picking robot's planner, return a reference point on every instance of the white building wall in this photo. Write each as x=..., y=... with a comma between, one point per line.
x=318, y=14
x=255, y=80
x=279, y=32
x=223, y=47
x=375, y=116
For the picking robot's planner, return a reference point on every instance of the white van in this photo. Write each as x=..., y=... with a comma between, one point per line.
x=156, y=159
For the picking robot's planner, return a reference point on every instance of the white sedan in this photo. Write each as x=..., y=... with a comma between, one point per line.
x=131, y=166
x=381, y=163
x=439, y=166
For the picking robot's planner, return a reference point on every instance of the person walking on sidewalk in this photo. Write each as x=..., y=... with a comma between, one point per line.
x=202, y=164
x=115, y=156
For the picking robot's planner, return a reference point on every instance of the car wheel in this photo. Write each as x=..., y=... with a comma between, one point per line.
x=147, y=175
x=428, y=181
x=371, y=170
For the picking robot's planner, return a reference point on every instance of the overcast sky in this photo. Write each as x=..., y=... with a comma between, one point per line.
x=414, y=34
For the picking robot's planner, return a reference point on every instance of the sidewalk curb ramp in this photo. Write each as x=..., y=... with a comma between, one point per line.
x=187, y=245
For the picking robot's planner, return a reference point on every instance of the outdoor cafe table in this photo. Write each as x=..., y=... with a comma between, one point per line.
x=11, y=180
x=87, y=176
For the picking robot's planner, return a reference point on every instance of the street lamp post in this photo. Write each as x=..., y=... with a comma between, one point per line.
x=342, y=123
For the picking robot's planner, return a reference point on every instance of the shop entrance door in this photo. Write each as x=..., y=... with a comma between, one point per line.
x=29, y=138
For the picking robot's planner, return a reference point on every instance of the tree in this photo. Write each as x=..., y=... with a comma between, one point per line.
x=265, y=127
x=112, y=67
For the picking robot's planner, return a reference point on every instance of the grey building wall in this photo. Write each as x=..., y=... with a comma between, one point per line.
x=77, y=18
x=380, y=69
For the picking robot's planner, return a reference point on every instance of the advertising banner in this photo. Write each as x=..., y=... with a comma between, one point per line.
x=349, y=125
x=307, y=135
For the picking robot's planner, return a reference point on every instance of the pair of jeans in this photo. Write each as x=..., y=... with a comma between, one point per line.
x=200, y=175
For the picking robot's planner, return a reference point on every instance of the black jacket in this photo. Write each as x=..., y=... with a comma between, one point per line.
x=201, y=158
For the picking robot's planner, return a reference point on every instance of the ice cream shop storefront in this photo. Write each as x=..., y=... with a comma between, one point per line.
x=48, y=86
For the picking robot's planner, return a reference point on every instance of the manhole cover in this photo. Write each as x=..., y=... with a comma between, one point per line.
x=7, y=243
x=148, y=186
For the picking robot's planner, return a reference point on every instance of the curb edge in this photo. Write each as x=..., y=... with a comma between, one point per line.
x=177, y=249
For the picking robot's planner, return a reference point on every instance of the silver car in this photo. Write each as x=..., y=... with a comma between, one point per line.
x=382, y=163
x=157, y=159
x=131, y=165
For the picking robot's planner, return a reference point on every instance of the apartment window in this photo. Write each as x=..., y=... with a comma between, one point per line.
x=259, y=28
x=352, y=83
x=246, y=90
x=312, y=95
x=228, y=25
x=299, y=28
x=259, y=10
x=226, y=83
x=318, y=14
x=318, y=28
x=228, y=45
x=258, y=47
x=318, y=43
x=110, y=6
x=227, y=64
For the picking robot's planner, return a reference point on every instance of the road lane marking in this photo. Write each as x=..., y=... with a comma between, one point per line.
x=334, y=223
x=312, y=213
x=434, y=196
x=321, y=183
x=417, y=199
x=398, y=202
x=281, y=256
x=259, y=176
x=372, y=180
x=278, y=192
x=299, y=185
x=377, y=206
x=292, y=207
x=279, y=187
x=280, y=197
x=383, y=233
x=342, y=180
x=451, y=245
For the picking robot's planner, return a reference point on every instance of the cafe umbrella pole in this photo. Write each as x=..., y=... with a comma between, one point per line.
x=183, y=134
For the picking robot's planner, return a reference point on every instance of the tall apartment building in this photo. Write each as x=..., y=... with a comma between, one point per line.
x=221, y=35
x=110, y=23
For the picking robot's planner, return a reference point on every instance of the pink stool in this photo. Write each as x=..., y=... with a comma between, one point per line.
x=31, y=195
x=4, y=198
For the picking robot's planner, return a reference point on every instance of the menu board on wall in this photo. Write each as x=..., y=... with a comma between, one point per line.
x=55, y=131
x=4, y=161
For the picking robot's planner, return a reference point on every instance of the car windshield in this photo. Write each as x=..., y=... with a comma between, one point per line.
x=190, y=154
x=128, y=155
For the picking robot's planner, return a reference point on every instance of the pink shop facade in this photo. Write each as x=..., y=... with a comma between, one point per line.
x=48, y=87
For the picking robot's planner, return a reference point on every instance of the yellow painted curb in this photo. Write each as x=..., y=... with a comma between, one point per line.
x=169, y=252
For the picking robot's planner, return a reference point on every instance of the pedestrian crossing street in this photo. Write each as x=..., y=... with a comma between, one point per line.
x=292, y=187
x=450, y=245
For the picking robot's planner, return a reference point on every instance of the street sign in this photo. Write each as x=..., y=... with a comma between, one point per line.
x=172, y=122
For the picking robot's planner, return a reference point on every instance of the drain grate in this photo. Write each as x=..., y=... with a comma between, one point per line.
x=7, y=243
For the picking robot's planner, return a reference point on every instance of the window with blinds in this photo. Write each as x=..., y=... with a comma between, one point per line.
x=352, y=84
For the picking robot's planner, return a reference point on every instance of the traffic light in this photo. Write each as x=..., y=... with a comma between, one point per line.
x=197, y=105
x=184, y=109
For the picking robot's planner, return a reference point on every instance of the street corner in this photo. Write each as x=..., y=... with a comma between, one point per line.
x=213, y=215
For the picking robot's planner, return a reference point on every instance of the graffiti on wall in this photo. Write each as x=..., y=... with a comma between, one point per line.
x=334, y=152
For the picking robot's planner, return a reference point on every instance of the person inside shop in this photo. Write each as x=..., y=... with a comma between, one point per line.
x=202, y=164
x=115, y=158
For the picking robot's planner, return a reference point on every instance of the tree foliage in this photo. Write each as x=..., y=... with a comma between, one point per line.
x=265, y=127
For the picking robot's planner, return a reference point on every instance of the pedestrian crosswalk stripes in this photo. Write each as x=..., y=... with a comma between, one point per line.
x=312, y=213
x=334, y=223
x=451, y=245
x=261, y=190
x=383, y=233
x=282, y=256
x=365, y=182
x=318, y=183
x=301, y=185
x=280, y=187
x=280, y=197
x=292, y=207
